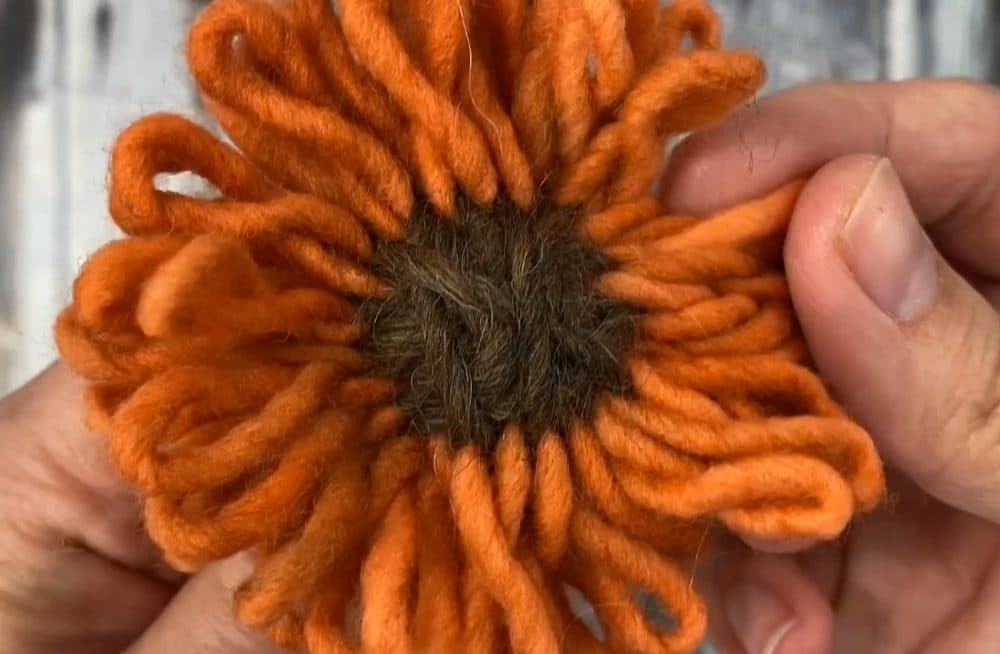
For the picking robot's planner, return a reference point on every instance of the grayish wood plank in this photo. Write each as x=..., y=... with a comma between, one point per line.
x=803, y=40
x=77, y=72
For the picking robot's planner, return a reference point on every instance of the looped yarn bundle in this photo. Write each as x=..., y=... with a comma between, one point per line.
x=431, y=428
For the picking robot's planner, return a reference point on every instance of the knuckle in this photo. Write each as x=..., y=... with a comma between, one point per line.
x=969, y=94
x=963, y=426
x=970, y=109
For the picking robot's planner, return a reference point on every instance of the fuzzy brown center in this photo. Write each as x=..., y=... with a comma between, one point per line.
x=494, y=320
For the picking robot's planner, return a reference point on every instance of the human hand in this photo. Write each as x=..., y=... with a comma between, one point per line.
x=77, y=573
x=905, y=329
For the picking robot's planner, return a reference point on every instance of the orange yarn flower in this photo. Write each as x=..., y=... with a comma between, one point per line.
x=350, y=362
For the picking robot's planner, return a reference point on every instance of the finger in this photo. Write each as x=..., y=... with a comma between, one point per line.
x=48, y=413
x=943, y=137
x=57, y=599
x=200, y=618
x=51, y=456
x=909, y=346
x=766, y=604
x=917, y=575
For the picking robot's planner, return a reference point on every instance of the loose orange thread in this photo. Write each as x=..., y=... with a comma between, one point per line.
x=221, y=348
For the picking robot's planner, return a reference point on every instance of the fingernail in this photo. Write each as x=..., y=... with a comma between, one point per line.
x=888, y=251
x=758, y=618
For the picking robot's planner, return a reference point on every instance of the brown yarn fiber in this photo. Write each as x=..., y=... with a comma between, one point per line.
x=494, y=319
x=433, y=351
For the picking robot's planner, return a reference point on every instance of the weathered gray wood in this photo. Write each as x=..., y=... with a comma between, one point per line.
x=804, y=40
x=74, y=73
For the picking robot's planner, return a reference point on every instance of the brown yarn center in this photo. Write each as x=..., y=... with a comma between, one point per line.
x=494, y=320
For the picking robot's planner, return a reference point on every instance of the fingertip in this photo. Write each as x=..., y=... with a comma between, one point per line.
x=201, y=616
x=784, y=136
x=859, y=348
x=842, y=326
x=687, y=175
x=771, y=607
x=821, y=284
x=753, y=151
x=710, y=170
x=824, y=205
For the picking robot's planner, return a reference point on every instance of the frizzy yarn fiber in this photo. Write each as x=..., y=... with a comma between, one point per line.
x=432, y=350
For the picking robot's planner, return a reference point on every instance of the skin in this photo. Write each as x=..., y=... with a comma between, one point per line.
x=919, y=575
x=77, y=574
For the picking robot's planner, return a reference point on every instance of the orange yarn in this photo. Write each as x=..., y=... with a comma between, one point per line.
x=220, y=342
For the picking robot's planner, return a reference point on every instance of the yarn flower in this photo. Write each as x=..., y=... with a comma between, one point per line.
x=431, y=349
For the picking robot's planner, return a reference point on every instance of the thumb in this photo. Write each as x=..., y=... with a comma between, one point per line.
x=909, y=346
x=200, y=617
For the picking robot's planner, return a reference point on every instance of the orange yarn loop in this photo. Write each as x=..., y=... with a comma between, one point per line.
x=222, y=349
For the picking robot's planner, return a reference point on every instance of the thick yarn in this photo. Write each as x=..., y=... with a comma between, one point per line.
x=494, y=319
x=249, y=361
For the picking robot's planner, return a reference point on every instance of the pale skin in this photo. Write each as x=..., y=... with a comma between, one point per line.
x=906, y=333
